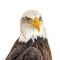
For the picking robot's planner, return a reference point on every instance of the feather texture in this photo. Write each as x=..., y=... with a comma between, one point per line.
x=37, y=50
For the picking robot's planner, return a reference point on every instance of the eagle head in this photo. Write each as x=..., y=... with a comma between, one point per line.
x=31, y=26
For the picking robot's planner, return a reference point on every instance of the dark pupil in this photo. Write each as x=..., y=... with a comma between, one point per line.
x=39, y=17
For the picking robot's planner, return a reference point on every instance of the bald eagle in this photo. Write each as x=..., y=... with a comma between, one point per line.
x=32, y=43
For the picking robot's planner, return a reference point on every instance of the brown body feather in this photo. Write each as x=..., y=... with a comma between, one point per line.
x=37, y=50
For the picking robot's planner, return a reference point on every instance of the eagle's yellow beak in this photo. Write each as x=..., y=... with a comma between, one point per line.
x=36, y=23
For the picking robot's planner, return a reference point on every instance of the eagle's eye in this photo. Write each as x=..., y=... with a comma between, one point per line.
x=40, y=18
x=26, y=19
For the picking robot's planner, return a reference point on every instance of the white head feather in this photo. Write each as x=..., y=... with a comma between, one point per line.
x=28, y=31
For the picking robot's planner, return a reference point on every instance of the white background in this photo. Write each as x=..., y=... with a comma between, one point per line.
x=10, y=14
